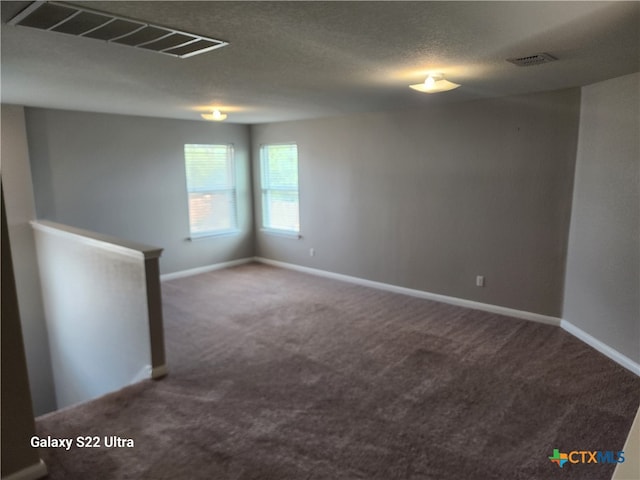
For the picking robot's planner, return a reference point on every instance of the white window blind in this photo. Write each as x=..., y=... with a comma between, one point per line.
x=211, y=188
x=280, y=206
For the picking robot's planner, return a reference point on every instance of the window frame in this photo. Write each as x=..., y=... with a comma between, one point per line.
x=213, y=189
x=264, y=192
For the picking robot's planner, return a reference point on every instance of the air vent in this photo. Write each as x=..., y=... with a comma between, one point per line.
x=531, y=60
x=72, y=20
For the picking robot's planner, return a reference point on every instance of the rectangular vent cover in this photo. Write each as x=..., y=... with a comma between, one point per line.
x=530, y=60
x=83, y=22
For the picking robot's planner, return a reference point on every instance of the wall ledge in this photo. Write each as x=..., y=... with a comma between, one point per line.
x=106, y=242
x=32, y=472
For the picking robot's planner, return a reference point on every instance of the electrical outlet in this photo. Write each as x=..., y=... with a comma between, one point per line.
x=312, y=252
x=479, y=281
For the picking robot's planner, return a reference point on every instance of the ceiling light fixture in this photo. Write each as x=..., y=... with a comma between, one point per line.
x=216, y=116
x=434, y=83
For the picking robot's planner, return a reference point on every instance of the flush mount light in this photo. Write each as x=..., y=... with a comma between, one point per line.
x=434, y=83
x=84, y=22
x=216, y=116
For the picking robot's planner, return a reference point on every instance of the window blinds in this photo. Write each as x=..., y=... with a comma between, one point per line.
x=280, y=203
x=211, y=188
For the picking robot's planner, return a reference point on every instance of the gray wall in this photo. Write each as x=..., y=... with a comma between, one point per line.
x=603, y=266
x=20, y=208
x=429, y=199
x=124, y=176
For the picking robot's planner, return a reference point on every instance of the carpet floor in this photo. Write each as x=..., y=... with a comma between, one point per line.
x=278, y=375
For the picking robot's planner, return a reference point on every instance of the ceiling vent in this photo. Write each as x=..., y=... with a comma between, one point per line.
x=530, y=60
x=83, y=22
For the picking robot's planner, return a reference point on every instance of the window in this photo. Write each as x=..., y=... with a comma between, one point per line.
x=211, y=187
x=280, y=187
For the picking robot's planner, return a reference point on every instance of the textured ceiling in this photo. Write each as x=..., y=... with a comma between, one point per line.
x=295, y=60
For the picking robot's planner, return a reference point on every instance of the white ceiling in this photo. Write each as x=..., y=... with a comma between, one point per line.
x=295, y=60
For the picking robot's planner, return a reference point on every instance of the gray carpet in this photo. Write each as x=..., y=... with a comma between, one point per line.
x=281, y=375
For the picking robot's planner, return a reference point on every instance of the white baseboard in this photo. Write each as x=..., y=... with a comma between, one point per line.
x=144, y=374
x=32, y=472
x=603, y=348
x=460, y=302
x=148, y=372
x=613, y=354
x=160, y=371
x=205, y=269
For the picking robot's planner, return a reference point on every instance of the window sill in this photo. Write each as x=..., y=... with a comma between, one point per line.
x=205, y=236
x=282, y=233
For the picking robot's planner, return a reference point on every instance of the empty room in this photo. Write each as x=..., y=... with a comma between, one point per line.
x=320, y=240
